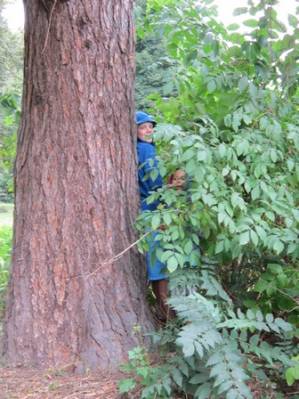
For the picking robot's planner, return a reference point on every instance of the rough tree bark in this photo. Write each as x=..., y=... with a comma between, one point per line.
x=76, y=191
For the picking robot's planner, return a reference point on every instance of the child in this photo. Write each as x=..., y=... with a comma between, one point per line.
x=148, y=162
x=178, y=180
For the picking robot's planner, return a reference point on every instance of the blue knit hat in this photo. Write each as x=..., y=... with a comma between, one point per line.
x=142, y=117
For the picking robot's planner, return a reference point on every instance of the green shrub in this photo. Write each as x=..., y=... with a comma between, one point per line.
x=230, y=241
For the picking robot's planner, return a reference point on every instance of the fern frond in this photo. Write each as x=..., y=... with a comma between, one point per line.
x=212, y=287
x=228, y=373
x=264, y=350
x=200, y=333
x=255, y=321
x=195, y=308
x=184, y=282
x=198, y=337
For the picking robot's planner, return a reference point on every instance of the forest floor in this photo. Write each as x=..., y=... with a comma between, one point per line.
x=21, y=383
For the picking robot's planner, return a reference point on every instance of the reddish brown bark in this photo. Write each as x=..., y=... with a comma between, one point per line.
x=76, y=191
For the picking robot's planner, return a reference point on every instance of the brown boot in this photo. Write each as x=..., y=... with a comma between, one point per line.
x=160, y=289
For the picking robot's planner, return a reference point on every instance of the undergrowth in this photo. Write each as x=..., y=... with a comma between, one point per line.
x=230, y=240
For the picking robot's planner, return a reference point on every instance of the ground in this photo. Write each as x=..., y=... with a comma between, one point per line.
x=56, y=384
x=22, y=383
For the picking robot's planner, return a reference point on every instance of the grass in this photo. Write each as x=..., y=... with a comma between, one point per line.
x=6, y=219
x=6, y=214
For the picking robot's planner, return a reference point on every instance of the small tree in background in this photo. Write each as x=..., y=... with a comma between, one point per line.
x=155, y=70
x=11, y=70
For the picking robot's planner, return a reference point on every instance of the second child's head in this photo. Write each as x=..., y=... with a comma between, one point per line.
x=178, y=179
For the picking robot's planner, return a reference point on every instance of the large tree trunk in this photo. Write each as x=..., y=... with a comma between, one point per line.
x=76, y=190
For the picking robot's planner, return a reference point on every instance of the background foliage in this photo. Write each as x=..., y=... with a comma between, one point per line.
x=11, y=64
x=155, y=70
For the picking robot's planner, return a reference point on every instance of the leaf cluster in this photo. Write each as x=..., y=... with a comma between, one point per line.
x=230, y=239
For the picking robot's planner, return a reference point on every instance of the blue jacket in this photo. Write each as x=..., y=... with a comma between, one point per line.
x=147, y=162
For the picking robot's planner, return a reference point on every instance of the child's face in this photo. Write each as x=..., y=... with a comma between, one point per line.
x=145, y=132
x=179, y=179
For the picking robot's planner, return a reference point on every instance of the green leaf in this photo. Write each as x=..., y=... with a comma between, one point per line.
x=211, y=87
x=188, y=154
x=233, y=26
x=156, y=221
x=221, y=216
x=225, y=171
x=236, y=37
x=188, y=347
x=166, y=255
x=243, y=83
x=172, y=264
x=202, y=155
x=183, y=367
x=167, y=218
x=177, y=377
x=227, y=123
x=188, y=247
x=290, y=164
x=175, y=234
x=275, y=268
x=293, y=21
x=126, y=385
x=283, y=325
x=242, y=147
x=203, y=392
x=292, y=374
x=198, y=379
x=278, y=246
x=261, y=232
x=143, y=371
x=240, y=11
x=219, y=247
x=252, y=23
x=255, y=193
x=254, y=237
x=237, y=201
x=295, y=213
x=222, y=150
x=244, y=238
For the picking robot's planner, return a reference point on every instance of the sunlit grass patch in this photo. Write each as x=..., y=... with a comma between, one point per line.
x=6, y=214
x=5, y=256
